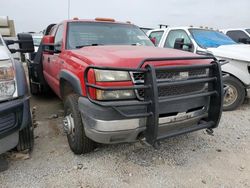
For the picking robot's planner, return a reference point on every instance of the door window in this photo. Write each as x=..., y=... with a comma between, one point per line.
x=157, y=36
x=59, y=34
x=236, y=35
x=176, y=34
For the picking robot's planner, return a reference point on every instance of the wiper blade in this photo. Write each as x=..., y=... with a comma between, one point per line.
x=81, y=46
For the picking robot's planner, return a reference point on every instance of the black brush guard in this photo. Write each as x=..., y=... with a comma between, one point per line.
x=151, y=100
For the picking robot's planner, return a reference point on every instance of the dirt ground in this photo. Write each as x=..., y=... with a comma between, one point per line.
x=191, y=160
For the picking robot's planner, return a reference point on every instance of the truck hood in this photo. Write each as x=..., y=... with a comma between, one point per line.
x=236, y=51
x=127, y=56
x=4, y=54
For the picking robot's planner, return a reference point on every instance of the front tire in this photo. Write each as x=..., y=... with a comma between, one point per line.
x=79, y=143
x=235, y=94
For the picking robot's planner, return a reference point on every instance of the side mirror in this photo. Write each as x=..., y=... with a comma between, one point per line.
x=179, y=44
x=244, y=41
x=48, y=44
x=25, y=42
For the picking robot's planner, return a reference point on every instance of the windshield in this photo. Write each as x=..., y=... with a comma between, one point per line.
x=209, y=38
x=82, y=34
x=248, y=30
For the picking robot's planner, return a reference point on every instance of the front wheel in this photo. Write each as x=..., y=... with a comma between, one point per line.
x=79, y=143
x=235, y=94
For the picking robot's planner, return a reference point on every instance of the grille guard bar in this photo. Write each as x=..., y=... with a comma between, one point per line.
x=151, y=101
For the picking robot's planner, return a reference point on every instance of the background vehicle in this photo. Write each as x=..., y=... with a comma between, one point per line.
x=116, y=86
x=213, y=43
x=238, y=35
x=16, y=128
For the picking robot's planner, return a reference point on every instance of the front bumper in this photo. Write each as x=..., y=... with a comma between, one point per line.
x=14, y=116
x=105, y=125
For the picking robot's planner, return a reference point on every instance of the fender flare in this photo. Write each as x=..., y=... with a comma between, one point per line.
x=238, y=72
x=23, y=92
x=72, y=79
x=21, y=81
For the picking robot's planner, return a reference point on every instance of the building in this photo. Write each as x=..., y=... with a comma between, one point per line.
x=7, y=27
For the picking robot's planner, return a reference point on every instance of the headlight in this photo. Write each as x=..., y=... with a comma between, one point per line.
x=113, y=95
x=7, y=80
x=110, y=76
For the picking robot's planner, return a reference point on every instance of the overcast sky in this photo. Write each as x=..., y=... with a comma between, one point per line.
x=35, y=15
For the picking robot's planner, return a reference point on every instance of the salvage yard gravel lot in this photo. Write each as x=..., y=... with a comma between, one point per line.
x=191, y=160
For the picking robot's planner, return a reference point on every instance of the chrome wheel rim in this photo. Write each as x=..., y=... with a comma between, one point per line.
x=231, y=95
x=68, y=124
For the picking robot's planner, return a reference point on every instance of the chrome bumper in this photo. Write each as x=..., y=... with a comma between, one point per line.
x=128, y=130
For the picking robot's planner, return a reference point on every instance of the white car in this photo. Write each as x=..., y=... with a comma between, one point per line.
x=239, y=35
x=210, y=42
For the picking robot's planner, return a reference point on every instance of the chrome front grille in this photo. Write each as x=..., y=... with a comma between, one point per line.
x=170, y=76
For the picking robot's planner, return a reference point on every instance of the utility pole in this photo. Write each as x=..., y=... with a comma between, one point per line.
x=68, y=9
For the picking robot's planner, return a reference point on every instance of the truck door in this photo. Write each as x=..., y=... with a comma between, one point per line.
x=53, y=62
x=180, y=36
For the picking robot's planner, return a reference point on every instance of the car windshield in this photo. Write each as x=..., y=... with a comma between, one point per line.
x=209, y=38
x=248, y=30
x=82, y=34
x=36, y=40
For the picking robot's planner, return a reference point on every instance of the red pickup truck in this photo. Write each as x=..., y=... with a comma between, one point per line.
x=117, y=87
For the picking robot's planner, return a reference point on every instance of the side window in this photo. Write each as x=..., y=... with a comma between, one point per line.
x=59, y=34
x=178, y=34
x=157, y=35
x=59, y=38
x=237, y=35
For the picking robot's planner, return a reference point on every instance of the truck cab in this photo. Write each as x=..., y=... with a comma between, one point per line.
x=118, y=87
x=209, y=42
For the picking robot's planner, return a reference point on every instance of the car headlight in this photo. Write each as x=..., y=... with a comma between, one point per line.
x=115, y=95
x=7, y=80
x=111, y=76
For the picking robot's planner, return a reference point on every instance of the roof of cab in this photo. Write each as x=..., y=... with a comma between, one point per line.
x=98, y=20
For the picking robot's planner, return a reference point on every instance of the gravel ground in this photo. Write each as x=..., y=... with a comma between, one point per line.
x=191, y=160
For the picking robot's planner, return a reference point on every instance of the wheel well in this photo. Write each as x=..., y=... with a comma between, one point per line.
x=65, y=88
x=238, y=80
x=235, y=78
